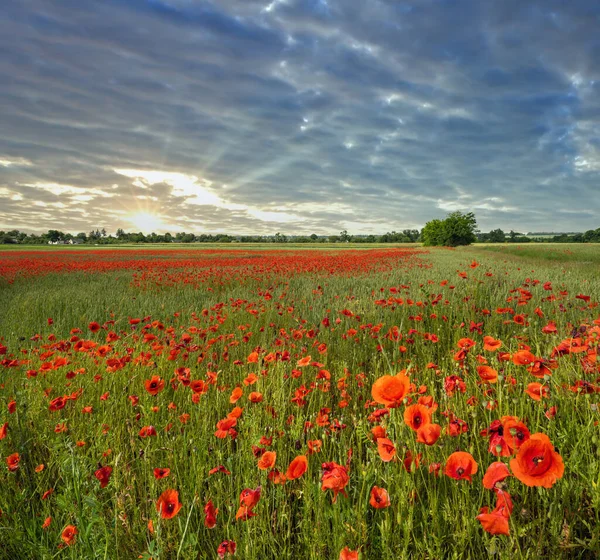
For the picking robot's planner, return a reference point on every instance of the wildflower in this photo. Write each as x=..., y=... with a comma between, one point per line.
x=12, y=462
x=297, y=467
x=487, y=374
x=161, y=473
x=267, y=460
x=68, y=534
x=429, y=433
x=417, y=415
x=495, y=473
x=226, y=547
x=379, y=498
x=390, y=390
x=347, y=554
x=248, y=500
x=460, y=466
x=335, y=477
x=103, y=475
x=168, y=504
x=386, y=449
x=210, y=515
x=154, y=385
x=537, y=463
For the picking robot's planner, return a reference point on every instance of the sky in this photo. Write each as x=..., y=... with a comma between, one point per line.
x=298, y=116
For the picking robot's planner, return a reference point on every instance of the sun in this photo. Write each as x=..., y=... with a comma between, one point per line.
x=146, y=222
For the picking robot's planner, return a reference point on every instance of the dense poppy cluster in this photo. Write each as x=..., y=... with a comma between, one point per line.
x=260, y=373
x=171, y=267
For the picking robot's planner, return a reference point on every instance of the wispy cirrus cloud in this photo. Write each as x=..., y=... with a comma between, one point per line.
x=299, y=115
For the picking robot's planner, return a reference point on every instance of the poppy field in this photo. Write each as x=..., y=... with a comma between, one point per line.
x=339, y=403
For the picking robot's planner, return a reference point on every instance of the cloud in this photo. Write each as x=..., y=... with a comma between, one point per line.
x=247, y=116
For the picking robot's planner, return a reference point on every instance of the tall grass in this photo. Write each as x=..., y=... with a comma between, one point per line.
x=429, y=517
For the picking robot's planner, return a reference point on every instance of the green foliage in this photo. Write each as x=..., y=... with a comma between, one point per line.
x=430, y=516
x=494, y=236
x=457, y=229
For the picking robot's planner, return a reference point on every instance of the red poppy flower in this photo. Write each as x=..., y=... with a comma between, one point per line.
x=58, y=403
x=161, y=473
x=147, y=431
x=487, y=374
x=537, y=463
x=210, y=515
x=537, y=390
x=168, y=504
x=491, y=344
x=417, y=415
x=386, y=449
x=267, y=460
x=68, y=534
x=495, y=473
x=523, y=358
x=250, y=497
x=248, y=500
x=390, y=390
x=380, y=498
x=304, y=361
x=516, y=432
x=198, y=387
x=460, y=465
x=236, y=395
x=465, y=343
x=335, y=477
x=103, y=475
x=429, y=433
x=12, y=462
x=347, y=554
x=255, y=397
x=297, y=467
x=495, y=522
x=226, y=547
x=154, y=385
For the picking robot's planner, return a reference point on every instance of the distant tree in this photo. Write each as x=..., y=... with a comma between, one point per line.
x=411, y=234
x=457, y=229
x=460, y=229
x=314, y=236
x=6, y=238
x=496, y=236
x=54, y=235
x=344, y=236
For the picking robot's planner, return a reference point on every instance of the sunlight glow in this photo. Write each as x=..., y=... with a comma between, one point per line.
x=146, y=222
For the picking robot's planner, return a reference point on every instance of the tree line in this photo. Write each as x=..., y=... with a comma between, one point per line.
x=102, y=237
x=456, y=229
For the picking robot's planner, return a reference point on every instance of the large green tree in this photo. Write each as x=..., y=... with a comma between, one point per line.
x=456, y=229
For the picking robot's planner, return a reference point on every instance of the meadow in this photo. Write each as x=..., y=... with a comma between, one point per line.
x=257, y=402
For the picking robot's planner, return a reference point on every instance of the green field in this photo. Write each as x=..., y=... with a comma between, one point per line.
x=261, y=310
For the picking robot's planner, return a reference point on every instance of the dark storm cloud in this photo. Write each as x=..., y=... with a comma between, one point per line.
x=299, y=115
